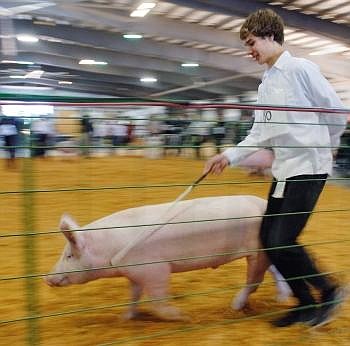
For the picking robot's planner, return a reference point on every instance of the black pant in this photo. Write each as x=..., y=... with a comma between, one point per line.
x=283, y=230
x=10, y=141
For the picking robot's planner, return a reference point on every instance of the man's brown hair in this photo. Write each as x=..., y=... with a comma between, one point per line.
x=263, y=23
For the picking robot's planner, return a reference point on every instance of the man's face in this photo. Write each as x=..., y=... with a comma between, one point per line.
x=259, y=48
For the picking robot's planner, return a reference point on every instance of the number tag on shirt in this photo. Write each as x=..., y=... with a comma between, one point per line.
x=275, y=122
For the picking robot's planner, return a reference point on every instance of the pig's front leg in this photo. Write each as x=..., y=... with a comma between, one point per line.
x=154, y=280
x=156, y=286
x=136, y=292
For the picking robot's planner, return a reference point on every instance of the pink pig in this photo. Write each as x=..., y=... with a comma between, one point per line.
x=193, y=231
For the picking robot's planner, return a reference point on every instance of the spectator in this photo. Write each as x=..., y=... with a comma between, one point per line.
x=86, y=135
x=9, y=132
x=42, y=133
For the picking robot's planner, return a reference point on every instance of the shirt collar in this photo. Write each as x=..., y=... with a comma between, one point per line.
x=282, y=60
x=280, y=63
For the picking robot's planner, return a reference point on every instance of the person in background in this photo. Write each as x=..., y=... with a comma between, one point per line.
x=86, y=134
x=42, y=133
x=9, y=132
x=118, y=132
x=219, y=131
x=302, y=162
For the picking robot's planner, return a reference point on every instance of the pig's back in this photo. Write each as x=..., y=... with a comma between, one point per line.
x=197, y=227
x=242, y=205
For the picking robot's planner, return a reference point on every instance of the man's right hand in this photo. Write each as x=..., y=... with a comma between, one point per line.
x=216, y=164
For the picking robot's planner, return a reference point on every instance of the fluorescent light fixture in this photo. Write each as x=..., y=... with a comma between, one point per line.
x=294, y=36
x=142, y=9
x=336, y=48
x=132, y=36
x=24, y=87
x=34, y=74
x=146, y=5
x=17, y=77
x=66, y=82
x=307, y=39
x=148, y=80
x=17, y=62
x=91, y=62
x=189, y=64
x=139, y=13
x=27, y=38
x=86, y=62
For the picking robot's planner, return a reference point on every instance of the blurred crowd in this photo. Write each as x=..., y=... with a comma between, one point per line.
x=187, y=134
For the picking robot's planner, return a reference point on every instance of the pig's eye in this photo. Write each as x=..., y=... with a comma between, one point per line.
x=69, y=256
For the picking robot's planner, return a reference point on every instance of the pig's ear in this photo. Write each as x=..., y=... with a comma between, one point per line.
x=68, y=224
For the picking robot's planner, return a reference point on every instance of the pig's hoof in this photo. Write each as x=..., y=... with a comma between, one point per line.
x=238, y=303
x=130, y=315
x=283, y=296
x=171, y=314
x=284, y=292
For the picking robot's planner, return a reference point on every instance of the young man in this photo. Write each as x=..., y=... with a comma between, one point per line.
x=303, y=160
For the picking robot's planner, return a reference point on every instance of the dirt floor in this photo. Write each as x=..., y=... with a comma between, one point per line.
x=209, y=292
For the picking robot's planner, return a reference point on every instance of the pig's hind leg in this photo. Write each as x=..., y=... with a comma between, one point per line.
x=283, y=289
x=257, y=265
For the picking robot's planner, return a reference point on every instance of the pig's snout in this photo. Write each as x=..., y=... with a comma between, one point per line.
x=55, y=281
x=47, y=281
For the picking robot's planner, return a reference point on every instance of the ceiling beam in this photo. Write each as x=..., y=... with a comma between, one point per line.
x=171, y=55
x=296, y=19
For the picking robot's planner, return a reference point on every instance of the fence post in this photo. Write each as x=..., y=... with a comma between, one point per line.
x=30, y=252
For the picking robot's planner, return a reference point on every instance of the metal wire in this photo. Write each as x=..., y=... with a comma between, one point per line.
x=198, y=327
x=189, y=258
x=185, y=146
x=15, y=99
x=184, y=295
x=109, y=102
x=173, y=223
x=151, y=186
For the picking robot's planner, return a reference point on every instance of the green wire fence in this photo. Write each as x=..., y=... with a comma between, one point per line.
x=29, y=193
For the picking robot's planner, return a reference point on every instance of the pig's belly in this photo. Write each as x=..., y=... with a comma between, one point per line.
x=201, y=263
x=198, y=250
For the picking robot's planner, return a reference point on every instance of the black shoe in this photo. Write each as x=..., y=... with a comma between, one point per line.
x=330, y=304
x=301, y=314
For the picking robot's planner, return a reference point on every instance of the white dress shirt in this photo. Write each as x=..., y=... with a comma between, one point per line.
x=296, y=140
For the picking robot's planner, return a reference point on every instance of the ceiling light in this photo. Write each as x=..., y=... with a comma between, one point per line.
x=17, y=62
x=25, y=87
x=294, y=36
x=148, y=80
x=91, y=62
x=86, y=62
x=66, y=82
x=336, y=48
x=139, y=13
x=132, y=36
x=146, y=6
x=142, y=9
x=27, y=38
x=189, y=64
x=34, y=74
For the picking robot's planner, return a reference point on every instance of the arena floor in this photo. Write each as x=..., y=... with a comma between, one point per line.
x=213, y=322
